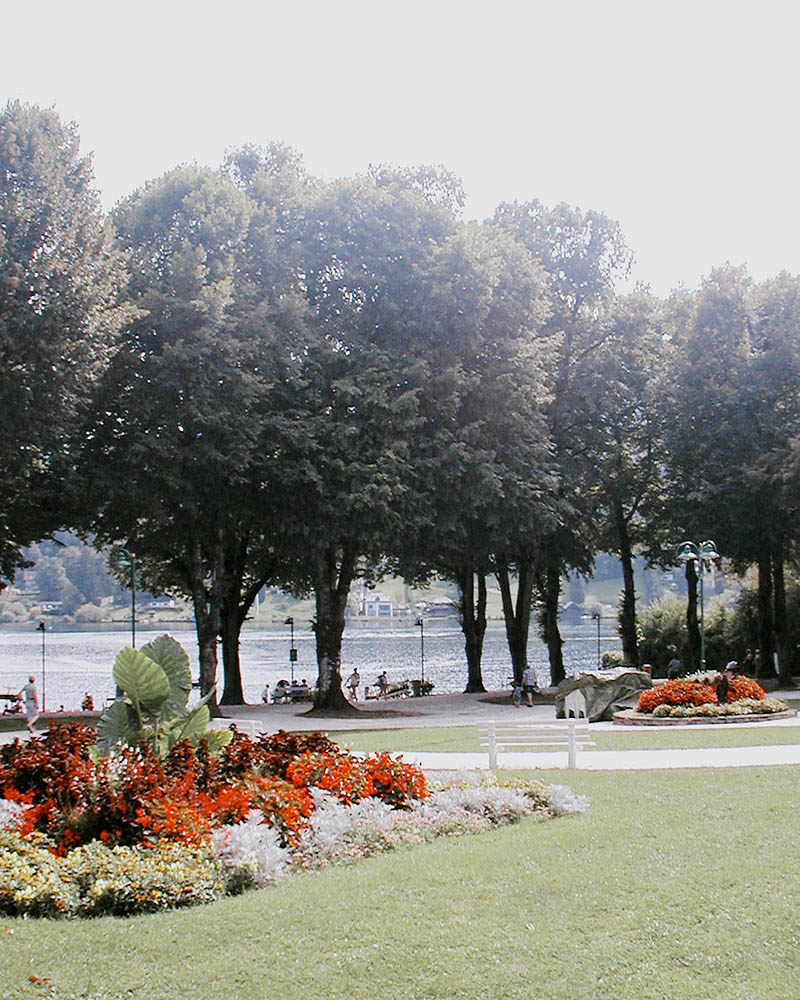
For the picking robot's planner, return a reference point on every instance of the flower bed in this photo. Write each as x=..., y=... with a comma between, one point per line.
x=82, y=835
x=695, y=696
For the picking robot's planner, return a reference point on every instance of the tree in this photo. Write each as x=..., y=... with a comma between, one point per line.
x=60, y=287
x=353, y=401
x=623, y=442
x=735, y=411
x=184, y=409
x=482, y=450
x=582, y=255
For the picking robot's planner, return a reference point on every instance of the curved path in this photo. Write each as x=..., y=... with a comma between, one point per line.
x=473, y=710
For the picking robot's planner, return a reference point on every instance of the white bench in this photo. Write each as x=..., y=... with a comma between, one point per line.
x=245, y=726
x=575, y=704
x=569, y=733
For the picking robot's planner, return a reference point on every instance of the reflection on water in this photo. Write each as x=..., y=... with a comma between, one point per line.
x=80, y=661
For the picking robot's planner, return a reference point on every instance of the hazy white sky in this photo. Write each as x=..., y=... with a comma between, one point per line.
x=677, y=119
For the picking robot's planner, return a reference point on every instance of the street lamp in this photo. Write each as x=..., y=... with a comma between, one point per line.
x=126, y=558
x=597, y=615
x=420, y=623
x=41, y=627
x=292, y=651
x=702, y=553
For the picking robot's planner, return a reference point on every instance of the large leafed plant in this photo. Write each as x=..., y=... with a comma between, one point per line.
x=155, y=682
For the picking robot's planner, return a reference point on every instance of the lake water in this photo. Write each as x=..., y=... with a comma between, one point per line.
x=77, y=661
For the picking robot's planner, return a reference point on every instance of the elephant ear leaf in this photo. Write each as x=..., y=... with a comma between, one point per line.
x=118, y=724
x=174, y=661
x=193, y=726
x=142, y=680
x=216, y=739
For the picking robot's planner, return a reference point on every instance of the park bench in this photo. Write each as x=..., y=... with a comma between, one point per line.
x=13, y=702
x=569, y=733
x=247, y=727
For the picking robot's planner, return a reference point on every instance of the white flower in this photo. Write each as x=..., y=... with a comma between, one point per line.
x=253, y=846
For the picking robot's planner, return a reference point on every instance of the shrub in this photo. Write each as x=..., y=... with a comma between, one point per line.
x=95, y=879
x=611, y=659
x=663, y=627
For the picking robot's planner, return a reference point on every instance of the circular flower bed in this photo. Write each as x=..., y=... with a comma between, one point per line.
x=82, y=835
x=697, y=696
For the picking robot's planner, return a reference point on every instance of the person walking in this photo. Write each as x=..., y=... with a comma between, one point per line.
x=352, y=685
x=529, y=683
x=30, y=697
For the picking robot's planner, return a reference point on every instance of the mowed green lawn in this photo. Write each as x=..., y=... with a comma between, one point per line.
x=675, y=885
x=465, y=738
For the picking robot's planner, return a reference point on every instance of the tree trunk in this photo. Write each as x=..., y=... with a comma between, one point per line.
x=473, y=624
x=627, y=611
x=230, y=632
x=207, y=602
x=236, y=606
x=550, y=590
x=781, y=646
x=332, y=579
x=765, y=632
x=692, y=623
x=517, y=616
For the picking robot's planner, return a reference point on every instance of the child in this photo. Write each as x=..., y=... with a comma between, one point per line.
x=517, y=693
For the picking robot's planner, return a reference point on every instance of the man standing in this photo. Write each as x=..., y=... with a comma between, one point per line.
x=30, y=696
x=529, y=683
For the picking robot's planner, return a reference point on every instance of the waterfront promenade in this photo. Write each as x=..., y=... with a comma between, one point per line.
x=477, y=709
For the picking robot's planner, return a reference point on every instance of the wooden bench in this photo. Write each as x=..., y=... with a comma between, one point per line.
x=569, y=733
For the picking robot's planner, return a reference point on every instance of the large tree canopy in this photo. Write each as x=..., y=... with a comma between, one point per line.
x=582, y=254
x=60, y=282
x=177, y=461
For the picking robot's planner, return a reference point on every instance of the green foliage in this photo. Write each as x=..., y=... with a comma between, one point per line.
x=95, y=880
x=60, y=282
x=156, y=682
x=663, y=630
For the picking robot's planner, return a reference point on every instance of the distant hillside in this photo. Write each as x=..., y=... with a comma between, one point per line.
x=70, y=582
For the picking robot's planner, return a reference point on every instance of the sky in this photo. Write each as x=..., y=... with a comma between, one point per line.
x=678, y=120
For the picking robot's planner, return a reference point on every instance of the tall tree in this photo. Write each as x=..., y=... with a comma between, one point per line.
x=60, y=286
x=734, y=411
x=483, y=448
x=185, y=408
x=366, y=246
x=623, y=442
x=583, y=254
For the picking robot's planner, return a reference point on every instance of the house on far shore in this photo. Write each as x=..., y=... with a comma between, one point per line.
x=376, y=606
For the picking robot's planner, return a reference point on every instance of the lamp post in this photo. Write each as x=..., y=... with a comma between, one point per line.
x=292, y=651
x=597, y=616
x=125, y=558
x=420, y=623
x=41, y=627
x=702, y=553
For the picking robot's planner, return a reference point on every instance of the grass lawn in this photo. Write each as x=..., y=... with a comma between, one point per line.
x=674, y=885
x=465, y=738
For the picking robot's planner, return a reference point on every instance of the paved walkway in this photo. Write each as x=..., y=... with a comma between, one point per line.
x=614, y=760
x=477, y=709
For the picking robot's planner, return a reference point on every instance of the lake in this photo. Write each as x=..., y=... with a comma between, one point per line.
x=77, y=661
